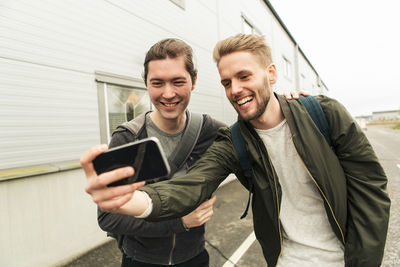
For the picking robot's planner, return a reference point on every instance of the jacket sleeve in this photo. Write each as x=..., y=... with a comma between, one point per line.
x=368, y=203
x=129, y=225
x=179, y=196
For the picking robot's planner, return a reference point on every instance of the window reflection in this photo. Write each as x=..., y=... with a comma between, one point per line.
x=124, y=104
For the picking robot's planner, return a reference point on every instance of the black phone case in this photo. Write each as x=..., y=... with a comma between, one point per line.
x=145, y=156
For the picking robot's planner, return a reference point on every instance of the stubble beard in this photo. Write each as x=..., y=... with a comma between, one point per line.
x=260, y=109
x=265, y=97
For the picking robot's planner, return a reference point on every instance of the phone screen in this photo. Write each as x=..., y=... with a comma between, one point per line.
x=145, y=156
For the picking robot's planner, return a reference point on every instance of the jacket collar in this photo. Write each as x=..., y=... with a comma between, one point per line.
x=287, y=113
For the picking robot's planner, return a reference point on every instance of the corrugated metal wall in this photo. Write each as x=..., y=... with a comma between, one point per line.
x=49, y=52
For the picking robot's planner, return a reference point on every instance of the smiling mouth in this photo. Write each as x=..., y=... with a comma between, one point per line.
x=244, y=100
x=170, y=105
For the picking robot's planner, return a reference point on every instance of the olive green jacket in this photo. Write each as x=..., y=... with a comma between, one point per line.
x=348, y=176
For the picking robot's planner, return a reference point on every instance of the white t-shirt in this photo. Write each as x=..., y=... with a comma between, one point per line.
x=308, y=239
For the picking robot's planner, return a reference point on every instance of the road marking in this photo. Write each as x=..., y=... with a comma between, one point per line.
x=240, y=251
x=398, y=166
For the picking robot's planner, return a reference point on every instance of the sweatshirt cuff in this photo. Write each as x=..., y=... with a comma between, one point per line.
x=147, y=212
x=156, y=201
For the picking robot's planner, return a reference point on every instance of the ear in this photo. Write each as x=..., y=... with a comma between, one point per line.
x=272, y=73
x=194, y=81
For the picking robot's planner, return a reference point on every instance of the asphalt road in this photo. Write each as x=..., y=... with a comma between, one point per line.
x=386, y=143
x=225, y=232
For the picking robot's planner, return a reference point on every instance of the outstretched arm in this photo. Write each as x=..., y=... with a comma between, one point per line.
x=179, y=196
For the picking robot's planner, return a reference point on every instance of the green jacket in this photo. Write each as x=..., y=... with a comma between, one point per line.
x=349, y=177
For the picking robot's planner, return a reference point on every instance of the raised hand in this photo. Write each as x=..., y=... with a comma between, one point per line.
x=107, y=198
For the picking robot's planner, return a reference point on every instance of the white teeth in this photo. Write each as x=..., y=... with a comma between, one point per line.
x=244, y=100
x=170, y=104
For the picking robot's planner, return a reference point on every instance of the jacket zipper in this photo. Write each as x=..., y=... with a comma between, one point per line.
x=172, y=249
x=322, y=193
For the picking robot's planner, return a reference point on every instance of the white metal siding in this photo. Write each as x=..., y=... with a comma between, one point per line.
x=49, y=51
x=47, y=114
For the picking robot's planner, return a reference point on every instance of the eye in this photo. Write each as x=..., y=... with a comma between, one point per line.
x=179, y=83
x=244, y=77
x=156, y=83
x=226, y=84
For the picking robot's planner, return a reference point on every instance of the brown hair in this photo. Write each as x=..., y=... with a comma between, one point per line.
x=252, y=43
x=170, y=48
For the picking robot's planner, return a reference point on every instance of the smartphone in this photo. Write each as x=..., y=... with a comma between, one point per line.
x=146, y=156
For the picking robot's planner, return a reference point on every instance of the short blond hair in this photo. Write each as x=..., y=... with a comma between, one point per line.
x=252, y=43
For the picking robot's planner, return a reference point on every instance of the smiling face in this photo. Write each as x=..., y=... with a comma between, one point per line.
x=170, y=86
x=247, y=83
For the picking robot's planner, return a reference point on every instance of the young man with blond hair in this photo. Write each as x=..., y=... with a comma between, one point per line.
x=312, y=204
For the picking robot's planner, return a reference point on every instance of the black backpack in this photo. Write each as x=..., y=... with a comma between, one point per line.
x=316, y=113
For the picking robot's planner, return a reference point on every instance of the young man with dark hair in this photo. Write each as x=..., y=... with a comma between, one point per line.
x=170, y=76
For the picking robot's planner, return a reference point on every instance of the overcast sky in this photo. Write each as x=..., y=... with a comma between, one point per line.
x=354, y=45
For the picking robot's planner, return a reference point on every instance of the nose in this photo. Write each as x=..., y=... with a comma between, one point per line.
x=169, y=91
x=236, y=88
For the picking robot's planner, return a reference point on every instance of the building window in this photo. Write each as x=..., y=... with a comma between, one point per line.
x=319, y=82
x=287, y=68
x=124, y=103
x=120, y=99
x=303, y=82
x=248, y=27
x=179, y=3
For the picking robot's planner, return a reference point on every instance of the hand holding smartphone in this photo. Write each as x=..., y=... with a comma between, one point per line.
x=145, y=156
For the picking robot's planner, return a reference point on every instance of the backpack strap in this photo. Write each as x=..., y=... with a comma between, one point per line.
x=189, y=139
x=135, y=126
x=317, y=114
x=241, y=151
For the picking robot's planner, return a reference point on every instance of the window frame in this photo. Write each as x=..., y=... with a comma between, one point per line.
x=246, y=23
x=104, y=79
x=303, y=80
x=287, y=68
x=179, y=3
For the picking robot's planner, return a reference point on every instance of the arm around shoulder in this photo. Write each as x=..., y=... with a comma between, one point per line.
x=181, y=195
